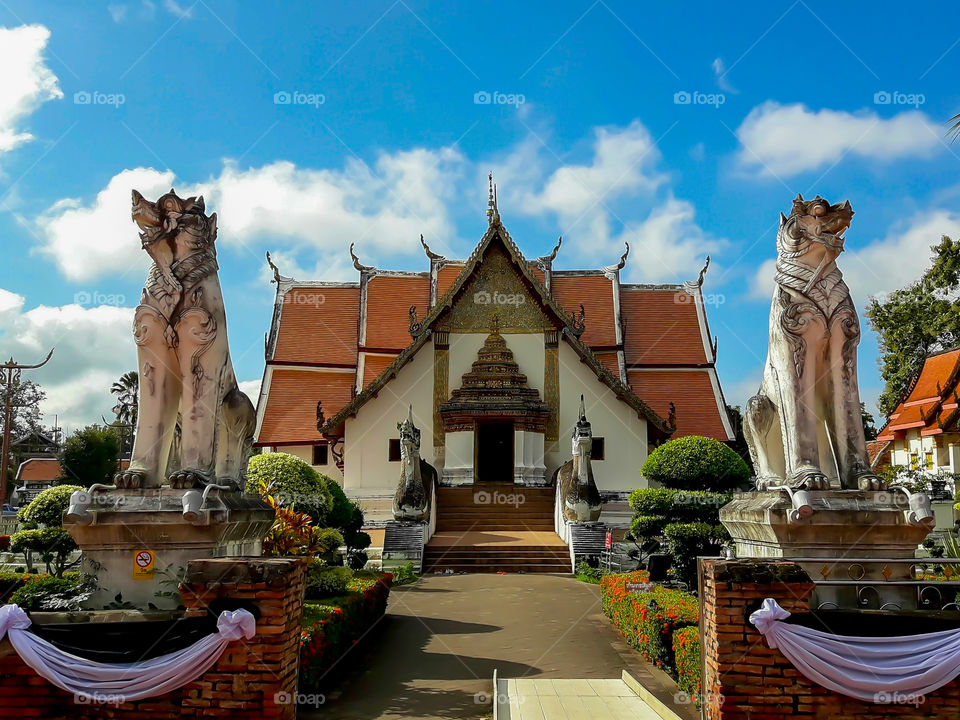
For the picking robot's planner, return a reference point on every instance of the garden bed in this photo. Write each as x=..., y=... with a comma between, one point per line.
x=662, y=624
x=332, y=626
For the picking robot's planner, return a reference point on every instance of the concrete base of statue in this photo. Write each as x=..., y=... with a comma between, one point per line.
x=843, y=526
x=138, y=543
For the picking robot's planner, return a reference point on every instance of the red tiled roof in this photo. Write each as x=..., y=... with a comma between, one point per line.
x=388, y=303
x=609, y=360
x=319, y=326
x=291, y=412
x=446, y=276
x=373, y=365
x=661, y=327
x=38, y=470
x=930, y=405
x=595, y=292
x=691, y=392
x=881, y=449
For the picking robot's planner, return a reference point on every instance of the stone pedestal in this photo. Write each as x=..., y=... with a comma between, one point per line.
x=138, y=543
x=829, y=535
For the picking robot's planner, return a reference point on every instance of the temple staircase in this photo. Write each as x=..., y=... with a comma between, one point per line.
x=496, y=527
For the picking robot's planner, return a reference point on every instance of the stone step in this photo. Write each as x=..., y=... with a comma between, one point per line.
x=556, y=569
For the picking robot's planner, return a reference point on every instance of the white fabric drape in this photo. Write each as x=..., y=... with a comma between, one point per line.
x=123, y=682
x=874, y=669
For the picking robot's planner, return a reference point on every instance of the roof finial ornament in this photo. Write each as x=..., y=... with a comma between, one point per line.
x=583, y=412
x=703, y=272
x=623, y=258
x=553, y=254
x=493, y=214
x=356, y=261
x=277, y=277
x=426, y=248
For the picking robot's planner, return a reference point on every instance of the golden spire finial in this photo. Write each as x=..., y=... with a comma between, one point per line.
x=493, y=214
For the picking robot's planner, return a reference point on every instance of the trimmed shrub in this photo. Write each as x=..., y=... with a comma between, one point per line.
x=686, y=652
x=47, y=507
x=696, y=463
x=687, y=541
x=331, y=628
x=53, y=544
x=652, y=501
x=10, y=582
x=49, y=593
x=323, y=581
x=647, y=620
x=292, y=483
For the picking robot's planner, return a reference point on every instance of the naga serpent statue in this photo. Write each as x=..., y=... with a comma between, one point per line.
x=578, y=490
x=804, y=426
x=183, y=357
x=412, y=501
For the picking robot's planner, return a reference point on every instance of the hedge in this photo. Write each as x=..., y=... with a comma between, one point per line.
x=333, y=626
x=696, y=463
x=686, y=651
x=647, y=620
x=292, y=482
x=688, y=541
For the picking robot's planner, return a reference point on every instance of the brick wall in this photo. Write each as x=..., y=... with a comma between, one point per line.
x=246, y=679
x=744, y=679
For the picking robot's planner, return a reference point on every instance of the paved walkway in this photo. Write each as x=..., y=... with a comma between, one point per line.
x=535, y=699
x=442, y=638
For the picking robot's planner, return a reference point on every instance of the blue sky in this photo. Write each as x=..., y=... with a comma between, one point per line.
x=586, y=131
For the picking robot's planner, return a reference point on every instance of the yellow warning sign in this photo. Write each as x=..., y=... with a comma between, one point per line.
x=143, y=564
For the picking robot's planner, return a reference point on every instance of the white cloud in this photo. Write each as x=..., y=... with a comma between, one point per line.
x=720, y=74
x=251, y=388
x=624, y=162
x=181, y=11
x=669, y=244
x=89, y=241
x=783, y=140
x=884, y=265
x=117, y=12
x=94, y=347
x=26, y=81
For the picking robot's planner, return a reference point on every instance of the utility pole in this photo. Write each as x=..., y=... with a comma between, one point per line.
x=10, y=379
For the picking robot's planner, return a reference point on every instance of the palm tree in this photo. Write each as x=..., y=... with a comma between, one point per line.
x=126, y=391
x=954, y=132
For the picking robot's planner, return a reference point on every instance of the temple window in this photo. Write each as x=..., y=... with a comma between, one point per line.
x=597, y=449
x=928, y=460
x=321, y=454
x=393, y=453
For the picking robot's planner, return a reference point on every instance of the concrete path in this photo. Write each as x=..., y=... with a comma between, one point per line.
x=538, y=699
x=435, y=652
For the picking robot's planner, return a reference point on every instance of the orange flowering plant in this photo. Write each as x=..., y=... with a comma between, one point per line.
x=686, y=651
x=647, y=620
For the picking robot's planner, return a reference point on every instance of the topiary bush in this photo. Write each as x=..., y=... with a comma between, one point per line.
x=47, y=507
x=347, y=516
x=323, y=581
x=696, y=463
x=53, y=544
x=686, y=653
x=687, y=541
x=292, y=483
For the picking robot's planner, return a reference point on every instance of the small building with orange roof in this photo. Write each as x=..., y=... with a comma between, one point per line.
x=922, y=433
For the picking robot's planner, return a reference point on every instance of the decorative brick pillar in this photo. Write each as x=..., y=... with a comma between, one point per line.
x=745, y=679
x=251, y=675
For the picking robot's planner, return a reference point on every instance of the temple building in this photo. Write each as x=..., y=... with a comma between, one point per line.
x=922, y=433
x=489, y=356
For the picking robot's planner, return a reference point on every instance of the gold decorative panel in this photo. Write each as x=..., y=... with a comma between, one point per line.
x=496, y=292
x=441, y=373
x=551, y=389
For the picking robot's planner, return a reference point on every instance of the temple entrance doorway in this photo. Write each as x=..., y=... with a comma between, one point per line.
x=494, y=457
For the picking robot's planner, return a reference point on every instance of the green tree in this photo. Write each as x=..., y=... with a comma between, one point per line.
x=739, y=444
x=42, y=530
x=917, y=320
x=90, y=455
x=126, y=389
x=869, y=426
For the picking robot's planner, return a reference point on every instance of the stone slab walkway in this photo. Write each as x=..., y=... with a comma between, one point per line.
x=545, y=699
x=434, y=653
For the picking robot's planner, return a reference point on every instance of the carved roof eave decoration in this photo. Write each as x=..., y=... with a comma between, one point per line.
x=623, y=392
x=373, y=389
x=565, y=322
x=496, y=229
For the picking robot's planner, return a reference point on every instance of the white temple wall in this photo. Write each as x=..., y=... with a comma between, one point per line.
x=305, y=453
x=624, y=433
x=367, y=468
